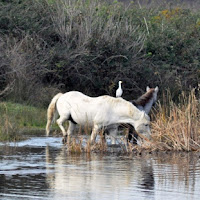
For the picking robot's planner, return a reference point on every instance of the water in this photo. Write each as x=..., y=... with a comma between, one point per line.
x=40, y=168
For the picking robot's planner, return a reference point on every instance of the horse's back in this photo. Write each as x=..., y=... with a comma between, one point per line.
x=79, y=97
x=75, y=97
x=81, y=107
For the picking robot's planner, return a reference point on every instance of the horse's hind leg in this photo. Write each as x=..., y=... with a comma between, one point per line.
x=60, y=122
x=69, y=131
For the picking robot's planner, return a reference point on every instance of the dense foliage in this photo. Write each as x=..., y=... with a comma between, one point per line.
x=88, y=45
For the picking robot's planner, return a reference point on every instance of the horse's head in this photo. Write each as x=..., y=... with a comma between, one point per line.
x=142, y=125
x=154, y=92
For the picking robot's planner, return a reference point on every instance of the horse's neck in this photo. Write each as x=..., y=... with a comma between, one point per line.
x=135, y=113
x=140, y=107
x=148, y=105
x=144, y=107
x=128, y=119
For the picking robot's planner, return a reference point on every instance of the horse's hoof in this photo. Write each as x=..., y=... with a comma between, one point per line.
x=64, y=140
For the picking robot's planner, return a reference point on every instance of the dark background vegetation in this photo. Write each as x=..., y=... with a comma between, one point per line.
x=47, y=46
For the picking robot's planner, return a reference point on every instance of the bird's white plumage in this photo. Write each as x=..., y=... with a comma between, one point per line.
x=119, y=91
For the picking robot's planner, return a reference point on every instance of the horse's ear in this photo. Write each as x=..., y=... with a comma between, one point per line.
x=147, y=88
x=156, y=89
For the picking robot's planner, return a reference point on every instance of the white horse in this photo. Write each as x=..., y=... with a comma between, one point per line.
x=97, y=112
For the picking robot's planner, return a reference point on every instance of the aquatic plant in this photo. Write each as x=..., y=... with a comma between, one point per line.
x=80, y=144
x=75, y=145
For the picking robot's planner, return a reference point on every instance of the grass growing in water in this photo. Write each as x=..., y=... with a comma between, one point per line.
x=76, y=145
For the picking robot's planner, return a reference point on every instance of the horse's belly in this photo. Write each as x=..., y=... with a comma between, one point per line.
x=83, y=118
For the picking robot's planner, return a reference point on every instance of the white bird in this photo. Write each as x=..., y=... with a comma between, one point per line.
x=119, y=91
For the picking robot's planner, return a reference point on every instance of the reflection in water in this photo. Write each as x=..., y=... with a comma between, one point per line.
x=147, y=177
x=34, y=170
x=178, y=173
x=97, y=176
x=22, y=172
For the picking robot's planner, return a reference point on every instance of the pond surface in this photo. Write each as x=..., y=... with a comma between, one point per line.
x=40, y=168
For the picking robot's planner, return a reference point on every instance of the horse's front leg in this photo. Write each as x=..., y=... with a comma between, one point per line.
x=113, y=133
x=95, y=131
x=132, y=135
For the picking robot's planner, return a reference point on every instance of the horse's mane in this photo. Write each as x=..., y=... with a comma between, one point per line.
x=144, y=99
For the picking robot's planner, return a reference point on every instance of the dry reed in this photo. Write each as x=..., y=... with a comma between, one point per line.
x=176, y=125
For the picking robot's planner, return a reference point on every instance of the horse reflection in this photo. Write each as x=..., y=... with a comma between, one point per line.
x=147, y=181
x=95, y=175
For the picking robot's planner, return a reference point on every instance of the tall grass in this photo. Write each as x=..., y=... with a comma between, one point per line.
x=176, y=126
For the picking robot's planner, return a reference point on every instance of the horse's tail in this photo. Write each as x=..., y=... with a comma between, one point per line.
x=51, y=111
